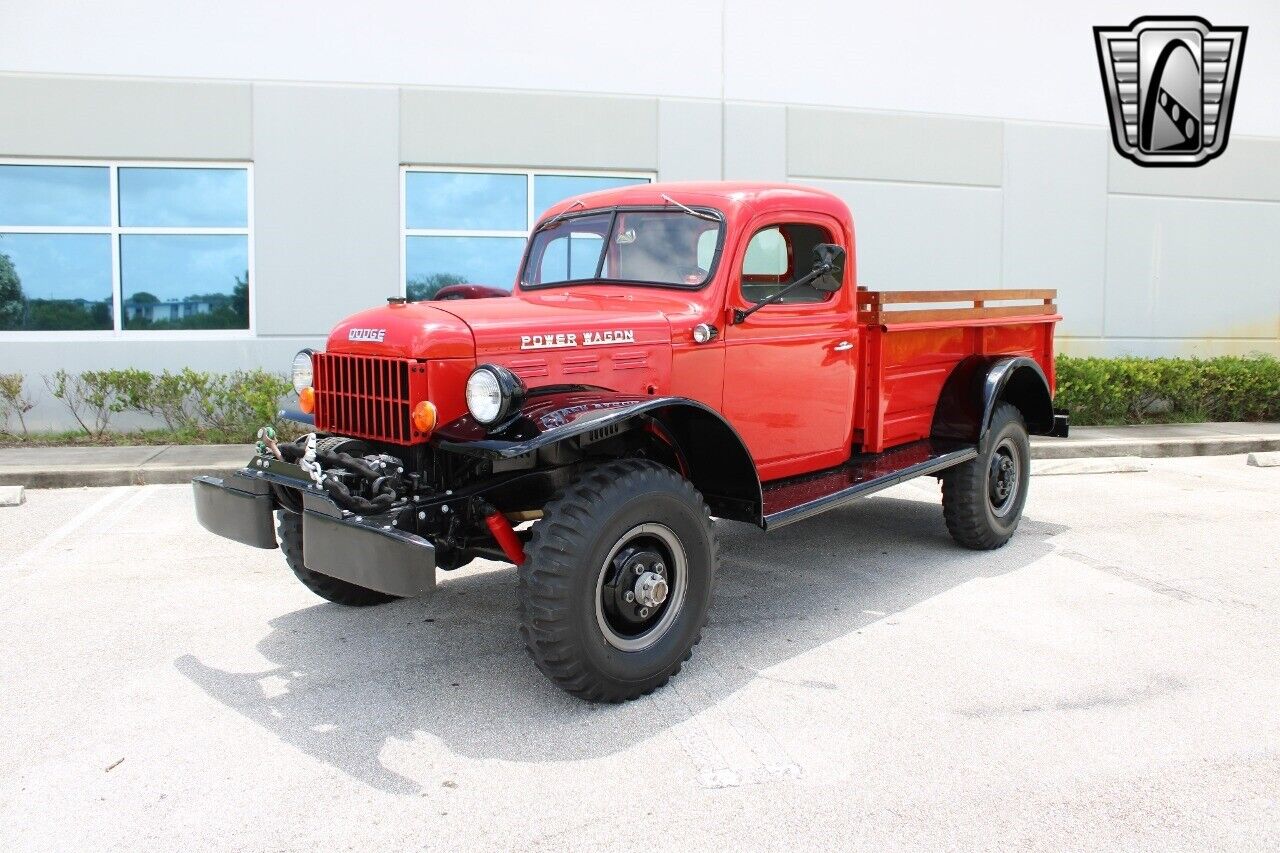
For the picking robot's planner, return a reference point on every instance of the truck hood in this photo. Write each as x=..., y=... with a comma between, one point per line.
x=544, y=340
x=412, y=330
x=512, y=327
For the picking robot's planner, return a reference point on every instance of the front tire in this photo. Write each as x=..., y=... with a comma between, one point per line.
x=982, y=499
x=331, y=589
x=617, y=580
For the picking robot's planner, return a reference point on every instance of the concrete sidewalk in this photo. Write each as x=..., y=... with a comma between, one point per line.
x=61, y=467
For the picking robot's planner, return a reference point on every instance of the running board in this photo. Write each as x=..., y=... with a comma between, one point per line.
x=798, y=498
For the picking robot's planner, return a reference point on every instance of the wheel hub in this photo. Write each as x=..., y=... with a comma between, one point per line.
x=1002, y=478
x=651, y=589
x=641, y=587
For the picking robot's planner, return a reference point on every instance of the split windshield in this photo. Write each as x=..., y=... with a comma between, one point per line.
x=664, y=247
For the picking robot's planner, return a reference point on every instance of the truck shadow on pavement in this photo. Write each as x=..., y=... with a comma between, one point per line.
x=356, y=688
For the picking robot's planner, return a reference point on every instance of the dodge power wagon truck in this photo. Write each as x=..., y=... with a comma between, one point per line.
x=670, y=354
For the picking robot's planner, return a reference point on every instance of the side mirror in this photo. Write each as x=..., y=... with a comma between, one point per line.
x=828, y=262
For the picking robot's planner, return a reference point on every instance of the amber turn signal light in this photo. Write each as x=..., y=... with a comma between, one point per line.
x=307, y=400
x=424, y=417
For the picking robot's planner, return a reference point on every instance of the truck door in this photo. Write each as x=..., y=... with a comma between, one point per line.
x=789, y=375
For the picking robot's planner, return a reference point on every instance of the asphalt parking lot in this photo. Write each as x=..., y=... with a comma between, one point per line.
x=1110, y=680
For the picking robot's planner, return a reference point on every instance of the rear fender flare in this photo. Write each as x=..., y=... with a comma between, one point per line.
x=715, y=457
x=979, y=383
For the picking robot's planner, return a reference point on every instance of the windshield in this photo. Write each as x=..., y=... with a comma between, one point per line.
x=665, y=247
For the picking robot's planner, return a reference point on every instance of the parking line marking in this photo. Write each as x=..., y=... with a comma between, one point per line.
x=113, y=496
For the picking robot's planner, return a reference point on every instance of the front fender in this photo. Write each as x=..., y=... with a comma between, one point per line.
x=717, y=459
x=978, y=383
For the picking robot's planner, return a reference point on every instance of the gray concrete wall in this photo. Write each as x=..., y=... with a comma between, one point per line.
x=326, y=204
x=1147, y=261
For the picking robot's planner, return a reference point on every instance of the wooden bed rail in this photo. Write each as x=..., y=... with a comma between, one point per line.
x=871, y=302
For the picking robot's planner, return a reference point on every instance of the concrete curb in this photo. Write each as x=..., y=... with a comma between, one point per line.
x=1090, y=465
x=1158, y=448
x=105, y=476
x=53, y=468
x=1264, y=460
x=157, y=465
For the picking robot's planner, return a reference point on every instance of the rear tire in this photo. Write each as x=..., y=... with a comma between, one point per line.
x=289, y=526
x=588, y=583
x=982, y=499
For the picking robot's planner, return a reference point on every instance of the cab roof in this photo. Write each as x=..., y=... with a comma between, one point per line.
x=735, y=198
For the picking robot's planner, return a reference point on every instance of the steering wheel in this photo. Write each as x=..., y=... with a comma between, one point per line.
x=691, y=275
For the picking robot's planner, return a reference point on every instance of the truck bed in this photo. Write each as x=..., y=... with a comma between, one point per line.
x=910, y=351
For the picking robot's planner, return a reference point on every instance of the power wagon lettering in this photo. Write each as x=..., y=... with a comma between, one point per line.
x=563, y=340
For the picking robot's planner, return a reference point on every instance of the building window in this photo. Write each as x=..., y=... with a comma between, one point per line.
x=102, y=247
x=470, y=226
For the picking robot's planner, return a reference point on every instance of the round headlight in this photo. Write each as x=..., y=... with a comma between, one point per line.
x=302, y=372
x=493, y=394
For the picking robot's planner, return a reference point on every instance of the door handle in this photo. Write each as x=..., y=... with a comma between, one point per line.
x=843, y=346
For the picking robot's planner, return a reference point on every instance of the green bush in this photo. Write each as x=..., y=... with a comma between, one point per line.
x=1131, y=390
x=229, y=407
x=14, y=401
x=193, y=405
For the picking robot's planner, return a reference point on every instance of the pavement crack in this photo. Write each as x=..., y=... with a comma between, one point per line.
x=1157, y=586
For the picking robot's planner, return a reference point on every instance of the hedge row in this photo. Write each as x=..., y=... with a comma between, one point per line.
x=230, y=407
x=1133, y=390
x=192, y=405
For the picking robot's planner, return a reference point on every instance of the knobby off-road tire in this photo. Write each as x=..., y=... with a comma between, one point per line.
x=582, y=583
x=982, y=499
x=289, y=526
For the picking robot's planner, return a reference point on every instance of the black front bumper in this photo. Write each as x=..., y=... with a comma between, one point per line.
x=369, y=552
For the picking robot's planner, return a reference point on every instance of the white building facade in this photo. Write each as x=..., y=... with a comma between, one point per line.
x=213, y=186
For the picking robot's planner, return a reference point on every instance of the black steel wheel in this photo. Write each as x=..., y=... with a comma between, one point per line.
x=289, y=526
x=982, y=499
x=617, y=579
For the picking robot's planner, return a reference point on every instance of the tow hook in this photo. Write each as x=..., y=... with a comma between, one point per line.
x=503, y=532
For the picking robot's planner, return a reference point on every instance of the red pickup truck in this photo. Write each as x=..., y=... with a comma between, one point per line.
x=671, y=353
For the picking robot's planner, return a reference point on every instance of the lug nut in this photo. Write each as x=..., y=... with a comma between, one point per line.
x=644, y=613
x=659, y=568
x=640, y=568
x=629, y=596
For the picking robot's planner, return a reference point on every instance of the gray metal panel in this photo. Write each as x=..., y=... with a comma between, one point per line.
x=1192, y=268
x=97, y=117
x=825, y=143
x=689, y=140
x=482, y=128
x=1055, y=217
x=327, y=204
x=755, y=142
x=1249, y=169
x=921, y=237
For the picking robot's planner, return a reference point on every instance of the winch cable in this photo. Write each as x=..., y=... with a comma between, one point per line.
x=336, y=489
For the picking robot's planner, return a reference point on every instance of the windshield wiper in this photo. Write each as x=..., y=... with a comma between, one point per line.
x=690, y=210
x=562, y=214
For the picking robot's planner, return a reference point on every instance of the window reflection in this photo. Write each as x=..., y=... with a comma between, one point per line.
x=435, y=262
x=549, y=189
x=55, y=282
x=193, y=198
x=184, y=281
x=55, y=195
x=491, y=202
